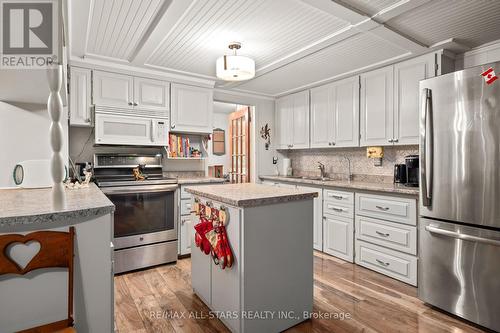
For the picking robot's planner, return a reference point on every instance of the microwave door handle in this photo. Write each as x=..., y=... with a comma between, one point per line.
x=458, y=235
x=153, y=131
x=426, y=144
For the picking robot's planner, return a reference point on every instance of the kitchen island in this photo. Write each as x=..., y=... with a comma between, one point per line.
x=269, y=287
x=41, y=296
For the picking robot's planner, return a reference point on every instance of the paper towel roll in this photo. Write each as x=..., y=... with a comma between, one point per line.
x=287, y=164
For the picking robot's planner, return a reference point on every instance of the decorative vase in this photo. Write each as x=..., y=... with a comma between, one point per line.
x=56, y=134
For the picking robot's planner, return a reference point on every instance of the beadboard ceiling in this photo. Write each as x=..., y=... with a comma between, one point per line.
x=295, y=43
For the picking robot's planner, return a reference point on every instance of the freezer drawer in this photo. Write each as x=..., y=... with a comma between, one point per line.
x=459, y=271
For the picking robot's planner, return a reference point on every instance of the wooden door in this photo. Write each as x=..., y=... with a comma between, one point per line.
x=239, y=132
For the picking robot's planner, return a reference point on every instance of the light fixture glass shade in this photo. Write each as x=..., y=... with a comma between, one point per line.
x=235, y=68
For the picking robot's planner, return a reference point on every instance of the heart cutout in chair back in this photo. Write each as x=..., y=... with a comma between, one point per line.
x=23, y=253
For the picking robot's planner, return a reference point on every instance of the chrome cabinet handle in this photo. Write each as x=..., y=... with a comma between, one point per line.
x=382, y=234
x=382, y=208
x=135, y=104
x=336, y=209
x=172, y=126
x=426, y=147
x=130, y=103
x=383, y=263
x=391, y=140
x=329, y=143
x=333, y=143
x=461, y=236
x=395, y=140
x=338, y=197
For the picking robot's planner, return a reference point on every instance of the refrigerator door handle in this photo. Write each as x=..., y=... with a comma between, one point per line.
x=457, y=235
x=426, y=147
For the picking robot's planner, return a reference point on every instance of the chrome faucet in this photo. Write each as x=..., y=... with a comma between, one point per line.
x=321, y=168
x=349, y=173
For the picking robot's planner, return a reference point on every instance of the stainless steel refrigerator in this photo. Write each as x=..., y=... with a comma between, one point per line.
x=459, y=246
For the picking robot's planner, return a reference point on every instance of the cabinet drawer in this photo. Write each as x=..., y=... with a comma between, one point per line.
x=346, y=198
x=395, y=264
x=185, y=207
x=392, y=235
x=395, y=209
x=184, y=194
x=336, y=209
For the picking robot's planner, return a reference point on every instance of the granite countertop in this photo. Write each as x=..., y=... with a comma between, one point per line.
x=353, y=185
x=250, y=194
x=30, y=206
x=199, y=180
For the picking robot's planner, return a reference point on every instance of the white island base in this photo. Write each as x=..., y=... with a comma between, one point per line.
x=270, y=286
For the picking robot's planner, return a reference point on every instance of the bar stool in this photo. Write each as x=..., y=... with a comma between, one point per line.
x=56, y=250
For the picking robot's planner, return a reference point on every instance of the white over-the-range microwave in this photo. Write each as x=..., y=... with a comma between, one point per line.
x=138, y=130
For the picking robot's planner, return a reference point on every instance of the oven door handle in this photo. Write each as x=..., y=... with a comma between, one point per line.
x=139, y=189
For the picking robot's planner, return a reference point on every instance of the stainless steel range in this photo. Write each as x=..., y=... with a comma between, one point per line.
x=145, y=222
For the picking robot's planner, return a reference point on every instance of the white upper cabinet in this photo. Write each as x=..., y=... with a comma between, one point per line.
x=347, y=113
x=292, y=119
x=377, y=116
x=300, y=133
x=335, y=114
x=79, y=97
x=113, y=90
x=192, y=109
x=132, y=95
x=322, y=116
x=151, y=94
x=283, y=122
x=407, y=75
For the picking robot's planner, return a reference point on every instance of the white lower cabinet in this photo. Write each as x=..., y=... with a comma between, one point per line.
x=386, y=235
x=392, y=263
x=338, y=235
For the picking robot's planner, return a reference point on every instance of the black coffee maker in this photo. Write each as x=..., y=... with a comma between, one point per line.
x=407, y=173
x=412, y=170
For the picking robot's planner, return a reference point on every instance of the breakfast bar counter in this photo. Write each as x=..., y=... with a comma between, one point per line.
x=268, y=284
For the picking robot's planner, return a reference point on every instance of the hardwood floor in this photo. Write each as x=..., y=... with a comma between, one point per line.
x=156, y=300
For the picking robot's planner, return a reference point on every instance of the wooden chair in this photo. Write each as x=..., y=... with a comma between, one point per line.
x=56, y=250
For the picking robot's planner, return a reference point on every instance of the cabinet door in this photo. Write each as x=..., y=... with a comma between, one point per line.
x=377, y=107
x=153, y=95
x=407, y=75
x=113, y=90
x=186, y=234
x=192, y=109
x=79, y=97
x=300, y=129
x=347, y=113
x=317, y=221
x=283, y=122
x=322, y=116
x=338, y=235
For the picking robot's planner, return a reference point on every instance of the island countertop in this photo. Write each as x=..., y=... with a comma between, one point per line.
x=249, y=194
x=33, y=206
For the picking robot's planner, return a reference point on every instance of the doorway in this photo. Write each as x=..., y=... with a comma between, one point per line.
x=239, y=134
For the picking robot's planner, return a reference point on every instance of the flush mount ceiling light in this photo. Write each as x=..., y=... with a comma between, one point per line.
x=235, y=67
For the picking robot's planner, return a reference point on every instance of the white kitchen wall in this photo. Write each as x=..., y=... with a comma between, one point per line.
x=24, y=135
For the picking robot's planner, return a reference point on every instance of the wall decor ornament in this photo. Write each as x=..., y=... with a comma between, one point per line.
x=265, y=133
x=56, y=135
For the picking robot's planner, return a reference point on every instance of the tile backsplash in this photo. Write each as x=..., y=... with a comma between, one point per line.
x=304, y=162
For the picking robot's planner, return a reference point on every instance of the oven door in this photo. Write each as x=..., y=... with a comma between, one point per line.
x=143, y=214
